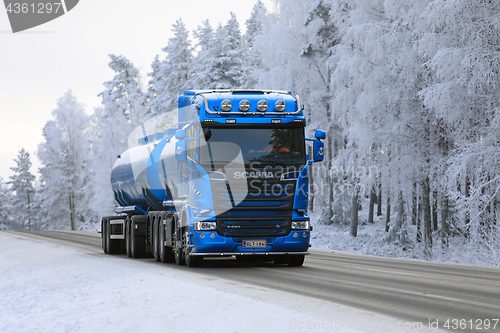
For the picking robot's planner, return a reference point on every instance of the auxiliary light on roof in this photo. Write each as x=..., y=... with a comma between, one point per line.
x=227, y=105
x=280, y=105
x=262, y=106
x=244, y=105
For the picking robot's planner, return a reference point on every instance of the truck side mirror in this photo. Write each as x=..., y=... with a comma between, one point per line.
x=318, y=148
x=180, y=134
x=319, y=134
x=318, y=151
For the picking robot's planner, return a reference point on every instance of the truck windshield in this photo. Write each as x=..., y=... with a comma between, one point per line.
x=261, y=146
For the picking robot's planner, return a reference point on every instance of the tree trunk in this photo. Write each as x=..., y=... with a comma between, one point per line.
x=29, y=213
x=373, y=198
x=354, y=221
x=311, y=182
x=379, y=199
x=445, y=227
x=427, y=219
x=329, y=214
x=435, y=226
x=72, y=211
x=388, y=214
x=414, y=205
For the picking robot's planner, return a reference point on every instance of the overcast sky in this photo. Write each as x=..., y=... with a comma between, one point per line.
x=71, y=52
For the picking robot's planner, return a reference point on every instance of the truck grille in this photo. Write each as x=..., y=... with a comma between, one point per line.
x=266, y=209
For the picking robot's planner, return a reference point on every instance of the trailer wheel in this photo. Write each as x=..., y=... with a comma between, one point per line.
x=166, y=254
x=295, y=260
x=127, y=237
x=156, y=242
x=103, y=235
x=113, y=245
x=137, y=248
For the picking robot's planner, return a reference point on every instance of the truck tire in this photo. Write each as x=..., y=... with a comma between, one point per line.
x=113, y=245
x=127, y=238
x=156, y=240
x=295, y=260
x=166, y=254
x=103, y=235
x=137, y=248
x=177, y=249
x=191, y=261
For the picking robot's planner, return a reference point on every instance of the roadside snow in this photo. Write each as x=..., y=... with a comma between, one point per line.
x=46, y=287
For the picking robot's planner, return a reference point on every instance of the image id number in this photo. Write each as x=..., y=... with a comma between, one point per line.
x=39, y=8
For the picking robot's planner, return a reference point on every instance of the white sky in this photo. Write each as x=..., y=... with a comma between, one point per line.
x=71, y=52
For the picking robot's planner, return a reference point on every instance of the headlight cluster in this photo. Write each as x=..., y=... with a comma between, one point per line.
x=262, y=105
x=199, y=226
x=301, y=225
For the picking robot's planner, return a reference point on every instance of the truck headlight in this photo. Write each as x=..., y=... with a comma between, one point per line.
x=301, y=225
x=198, y=226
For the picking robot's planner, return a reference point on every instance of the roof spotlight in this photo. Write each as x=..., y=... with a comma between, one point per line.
x=280, y=105
x=244, y=105
x=262, y=106
x=226, y=105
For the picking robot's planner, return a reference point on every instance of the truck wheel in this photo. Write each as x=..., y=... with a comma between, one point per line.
x=280, y=260
x=193, y=261
x=166, y=254
x=127, y=237
x=295, y=260
x=103, y=235
x=178, y=252
x=137, y=248
x=113, y=245
x=156, y=242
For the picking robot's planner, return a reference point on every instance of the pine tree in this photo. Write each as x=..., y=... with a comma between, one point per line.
x=204, y=75
x=123, y=94
x=256, y=25
x=6, y=218
x=170, y=76
x=230, y=53
x=22, y=185
x=63, y=157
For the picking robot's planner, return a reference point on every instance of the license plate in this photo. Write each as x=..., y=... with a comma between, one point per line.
x=260, y=244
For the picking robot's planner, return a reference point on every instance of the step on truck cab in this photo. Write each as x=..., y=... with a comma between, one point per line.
x=230, y=180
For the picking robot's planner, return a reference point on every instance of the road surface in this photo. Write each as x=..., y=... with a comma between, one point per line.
x=459, y=298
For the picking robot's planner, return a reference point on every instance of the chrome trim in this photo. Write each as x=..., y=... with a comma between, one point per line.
x=212, y=254
x=287, y=173
x=116, y=236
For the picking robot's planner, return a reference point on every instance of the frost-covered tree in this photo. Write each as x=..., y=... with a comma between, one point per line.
x=123, y=94
x=170, y=76
x=64, y=156
x=6, y=218
x=204, y=73
x=22, y=185
x=256, y=25
x=229, y=51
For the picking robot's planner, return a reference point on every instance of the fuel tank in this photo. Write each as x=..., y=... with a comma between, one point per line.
x=146, y=174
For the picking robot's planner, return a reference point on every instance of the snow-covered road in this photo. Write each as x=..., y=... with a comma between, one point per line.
x=47, y=287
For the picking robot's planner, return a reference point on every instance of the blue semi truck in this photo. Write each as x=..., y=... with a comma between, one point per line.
x=230, y=180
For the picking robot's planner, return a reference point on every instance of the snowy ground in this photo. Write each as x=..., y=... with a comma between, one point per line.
x=372, y=240
x=46, y=287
